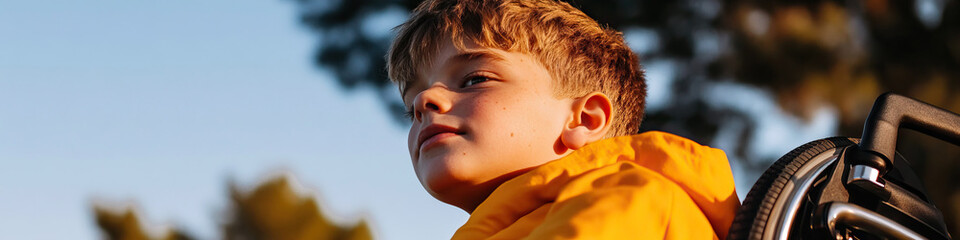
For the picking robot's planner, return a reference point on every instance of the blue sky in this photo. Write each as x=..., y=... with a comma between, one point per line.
x=158, y=103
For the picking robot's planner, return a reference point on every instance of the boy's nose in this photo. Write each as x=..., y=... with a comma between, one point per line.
x=431, y=100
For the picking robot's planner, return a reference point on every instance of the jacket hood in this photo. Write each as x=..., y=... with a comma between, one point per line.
x=702, y=173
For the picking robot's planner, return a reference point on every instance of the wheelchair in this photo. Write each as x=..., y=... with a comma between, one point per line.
x=849, y=188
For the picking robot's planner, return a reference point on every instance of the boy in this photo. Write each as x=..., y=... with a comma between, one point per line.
x=522, y=112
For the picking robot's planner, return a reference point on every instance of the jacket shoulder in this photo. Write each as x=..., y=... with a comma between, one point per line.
x=624, y=201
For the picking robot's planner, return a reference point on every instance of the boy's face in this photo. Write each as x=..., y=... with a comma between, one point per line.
x=480, y=117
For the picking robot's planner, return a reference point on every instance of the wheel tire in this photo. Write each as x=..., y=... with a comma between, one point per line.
x=754, y=214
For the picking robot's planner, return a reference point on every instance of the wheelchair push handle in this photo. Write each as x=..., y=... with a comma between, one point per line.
x=891, y=112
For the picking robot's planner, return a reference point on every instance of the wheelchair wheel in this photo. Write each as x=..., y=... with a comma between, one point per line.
x=769, y=209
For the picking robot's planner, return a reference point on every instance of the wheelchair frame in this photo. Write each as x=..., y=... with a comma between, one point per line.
x=842, y=189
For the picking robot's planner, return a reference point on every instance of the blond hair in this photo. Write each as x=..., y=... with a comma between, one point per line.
x=581, y=56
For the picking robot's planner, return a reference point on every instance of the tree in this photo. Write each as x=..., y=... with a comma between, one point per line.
x=273, y=210
x=125, y=224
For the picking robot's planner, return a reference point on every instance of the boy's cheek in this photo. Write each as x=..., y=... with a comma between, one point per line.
x=411, y=141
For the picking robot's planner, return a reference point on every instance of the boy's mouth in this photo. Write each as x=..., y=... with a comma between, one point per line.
x=433, y=132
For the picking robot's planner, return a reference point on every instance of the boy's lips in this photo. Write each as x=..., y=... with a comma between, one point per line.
x=434, y=132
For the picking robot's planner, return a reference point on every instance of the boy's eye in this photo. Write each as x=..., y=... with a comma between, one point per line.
x=474, y=79
x=408, y=113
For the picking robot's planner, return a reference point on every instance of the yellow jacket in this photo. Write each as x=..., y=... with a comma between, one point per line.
x=648, y=186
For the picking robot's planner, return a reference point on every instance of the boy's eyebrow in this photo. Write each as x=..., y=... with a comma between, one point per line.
x=477, y=54
x=464, y=57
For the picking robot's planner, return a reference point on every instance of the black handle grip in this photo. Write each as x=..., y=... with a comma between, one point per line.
x=891, y=112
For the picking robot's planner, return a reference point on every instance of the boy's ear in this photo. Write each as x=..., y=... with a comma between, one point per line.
x=589, y=122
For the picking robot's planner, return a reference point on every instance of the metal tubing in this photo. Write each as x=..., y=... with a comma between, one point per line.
x=853, y=216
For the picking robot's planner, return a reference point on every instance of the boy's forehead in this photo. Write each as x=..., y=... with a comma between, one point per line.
x=449, y=55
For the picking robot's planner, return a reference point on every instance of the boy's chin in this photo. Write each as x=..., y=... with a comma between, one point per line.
x=443, y=174
x=462, y=191
x=443, y=185
x=458, y=192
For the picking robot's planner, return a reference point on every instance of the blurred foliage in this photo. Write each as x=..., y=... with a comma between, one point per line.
x=273, y=210
x=808, y=54
x=125, y=224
